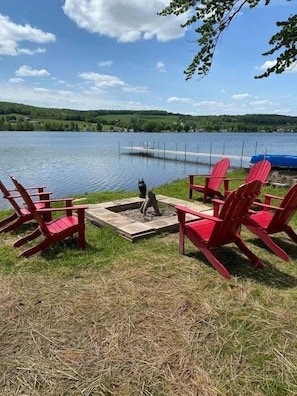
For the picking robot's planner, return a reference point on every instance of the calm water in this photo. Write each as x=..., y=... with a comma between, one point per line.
x=77, y=163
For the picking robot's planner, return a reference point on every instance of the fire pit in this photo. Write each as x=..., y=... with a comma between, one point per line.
x=125, y=216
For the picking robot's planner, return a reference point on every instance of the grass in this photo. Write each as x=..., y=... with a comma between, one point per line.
x=140, y=319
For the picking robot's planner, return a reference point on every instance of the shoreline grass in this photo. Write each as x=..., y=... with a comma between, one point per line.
x=140, y=319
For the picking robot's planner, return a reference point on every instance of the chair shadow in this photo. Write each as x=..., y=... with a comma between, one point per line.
x=238, y=265
x=24, y=229
x=286, y=244
x=64, y=246
x=52, y=251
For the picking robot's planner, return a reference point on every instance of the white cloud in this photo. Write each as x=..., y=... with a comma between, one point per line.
x=105, y=63
x=27, y=71
x=161, y=67
x=135, y=89
x=16, y=80
x=31, y=52
x=126, y=21
x=176, y=99
x=240, y=96
x=65, y=93
x=268, y=64
x=102, y=80
x=292, y=68
x=41, y=90
x=260, y=102
x=209, y=103
x=11, y=34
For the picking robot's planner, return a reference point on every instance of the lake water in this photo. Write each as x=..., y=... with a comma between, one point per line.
x=70, y=163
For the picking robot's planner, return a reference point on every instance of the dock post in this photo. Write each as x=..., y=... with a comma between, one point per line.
x=242, y=149
x=210, y=152
x=185, y=152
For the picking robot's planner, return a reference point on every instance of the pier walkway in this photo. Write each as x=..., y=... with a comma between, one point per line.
x=185, y=156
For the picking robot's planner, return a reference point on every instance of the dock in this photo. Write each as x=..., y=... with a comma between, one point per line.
x=185, y=156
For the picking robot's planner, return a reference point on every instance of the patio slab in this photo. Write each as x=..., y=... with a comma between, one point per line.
x=111, y=214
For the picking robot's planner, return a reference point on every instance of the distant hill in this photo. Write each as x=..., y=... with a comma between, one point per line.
x=16, y=116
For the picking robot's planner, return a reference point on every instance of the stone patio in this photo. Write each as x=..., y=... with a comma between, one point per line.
x=111, y=214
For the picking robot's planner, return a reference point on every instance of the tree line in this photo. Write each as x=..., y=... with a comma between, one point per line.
x=20, y=117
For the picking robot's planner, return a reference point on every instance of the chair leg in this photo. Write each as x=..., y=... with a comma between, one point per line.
x=35, y=249
x=190, y=193
x=251, y=256
x=81, y=239
x=265, y=238
x=7, y=220
x=215, y=263
x=35, y=234
x=181, y=239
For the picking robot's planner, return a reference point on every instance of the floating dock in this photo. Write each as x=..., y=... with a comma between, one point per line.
x=185, y=156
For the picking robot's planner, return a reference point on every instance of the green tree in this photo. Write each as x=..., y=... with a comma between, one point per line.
x=213, y=17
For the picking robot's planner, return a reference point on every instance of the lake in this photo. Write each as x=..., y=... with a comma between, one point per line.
x=71, y=163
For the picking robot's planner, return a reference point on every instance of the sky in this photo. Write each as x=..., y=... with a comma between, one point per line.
x=122, y=55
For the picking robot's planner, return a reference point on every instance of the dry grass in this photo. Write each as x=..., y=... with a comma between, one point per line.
x=152, y=323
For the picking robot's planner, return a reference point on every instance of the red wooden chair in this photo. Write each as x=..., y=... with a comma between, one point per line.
x=213, y=181
x=259, y=171
x=274, y=219
x=54, y=230
x=208, y=232
x=21, y=214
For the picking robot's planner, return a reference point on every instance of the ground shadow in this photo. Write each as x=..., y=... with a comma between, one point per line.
x=238, y=265
x=286, y=244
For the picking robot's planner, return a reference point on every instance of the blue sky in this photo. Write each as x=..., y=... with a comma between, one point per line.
x=119, y=54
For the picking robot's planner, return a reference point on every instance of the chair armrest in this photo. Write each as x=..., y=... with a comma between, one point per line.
x=199, y=175
x=228, y=179
x=192, y=177
x=76, y=207
x=269, y=197
x=48, y=201
x=216, y=206
x=267, y=206
x=233, y=178
x=184, y=209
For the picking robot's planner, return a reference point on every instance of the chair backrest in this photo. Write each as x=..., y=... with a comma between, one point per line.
x=259, y=171
x=30, y=205
x=235, y=209
x=7, y=195
x=218, y=173
x=289, y=204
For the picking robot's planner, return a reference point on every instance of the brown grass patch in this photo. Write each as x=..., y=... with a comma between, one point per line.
x=152, y=324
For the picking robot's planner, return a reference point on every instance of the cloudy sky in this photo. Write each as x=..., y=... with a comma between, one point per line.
x=119, y=54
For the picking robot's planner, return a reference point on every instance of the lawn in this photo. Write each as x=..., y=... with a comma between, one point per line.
x=140, y=319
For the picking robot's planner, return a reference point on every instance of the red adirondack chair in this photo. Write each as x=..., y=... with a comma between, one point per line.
x=208, y=232
x=274, y=219
x=259, y=171
x=54, y=230
x=213, y=181
x=21, y=214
